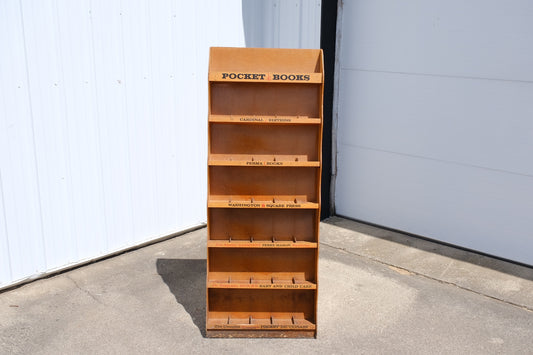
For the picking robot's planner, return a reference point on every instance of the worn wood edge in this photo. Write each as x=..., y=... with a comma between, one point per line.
x=261, y=333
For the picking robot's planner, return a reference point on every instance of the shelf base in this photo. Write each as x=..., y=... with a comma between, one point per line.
x=260, y=334
x=259, y=321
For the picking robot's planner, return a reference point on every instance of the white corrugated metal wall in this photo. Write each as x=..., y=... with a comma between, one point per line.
x=103, y=110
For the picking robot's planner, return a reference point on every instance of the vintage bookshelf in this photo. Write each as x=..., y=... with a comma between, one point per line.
x=263, y=208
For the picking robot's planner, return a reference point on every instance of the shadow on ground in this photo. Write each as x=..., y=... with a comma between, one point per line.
x=185, y=278
x=470, y=256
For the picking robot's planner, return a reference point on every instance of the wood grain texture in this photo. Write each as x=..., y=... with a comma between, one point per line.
x=264, y=170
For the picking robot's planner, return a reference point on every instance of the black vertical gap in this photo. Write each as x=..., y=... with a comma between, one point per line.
x=328, y=38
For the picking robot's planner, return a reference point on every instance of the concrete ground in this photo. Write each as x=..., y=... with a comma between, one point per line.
x=380, y=292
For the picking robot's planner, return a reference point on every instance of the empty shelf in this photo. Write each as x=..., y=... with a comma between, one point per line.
x=261, y=160
x=264, y=167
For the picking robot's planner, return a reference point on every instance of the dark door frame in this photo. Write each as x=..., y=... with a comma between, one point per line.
x=328, y=39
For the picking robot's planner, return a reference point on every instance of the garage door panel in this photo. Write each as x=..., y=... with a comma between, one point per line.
x=478, y=38
x=472, y=207
x=435, y=120
x=485, y=123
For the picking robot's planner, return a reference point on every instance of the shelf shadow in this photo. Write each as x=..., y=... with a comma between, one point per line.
x=185, y=278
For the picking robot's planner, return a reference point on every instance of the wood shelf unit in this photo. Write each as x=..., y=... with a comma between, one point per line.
x=264, y=166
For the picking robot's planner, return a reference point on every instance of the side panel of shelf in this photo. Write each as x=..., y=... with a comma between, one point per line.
x=209, y=219
x=319, y=172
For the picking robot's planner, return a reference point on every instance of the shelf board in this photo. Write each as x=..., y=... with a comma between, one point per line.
x=258, y=320
x=288, y=202
x=263, y=119
x=261, y=160
x=264, y=285
x=226, y=243
x=266, y=77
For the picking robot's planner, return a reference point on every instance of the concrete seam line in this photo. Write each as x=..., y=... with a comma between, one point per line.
x=87, y=292
x=524, y=307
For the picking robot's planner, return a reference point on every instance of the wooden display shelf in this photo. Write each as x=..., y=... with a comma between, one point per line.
x=265, y=60
x=253, y=119
x=263, y=210
x=253, y=243
x=260, y=201
x=258, y=320
x=260, y=160
x=266, y=77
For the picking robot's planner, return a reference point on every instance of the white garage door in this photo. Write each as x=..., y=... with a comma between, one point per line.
x=435, y=120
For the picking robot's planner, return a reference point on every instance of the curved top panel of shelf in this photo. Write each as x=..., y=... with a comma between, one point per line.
x=266, y=77
x=265, y=60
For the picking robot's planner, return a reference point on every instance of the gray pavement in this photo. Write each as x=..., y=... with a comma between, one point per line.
x=379, y=292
